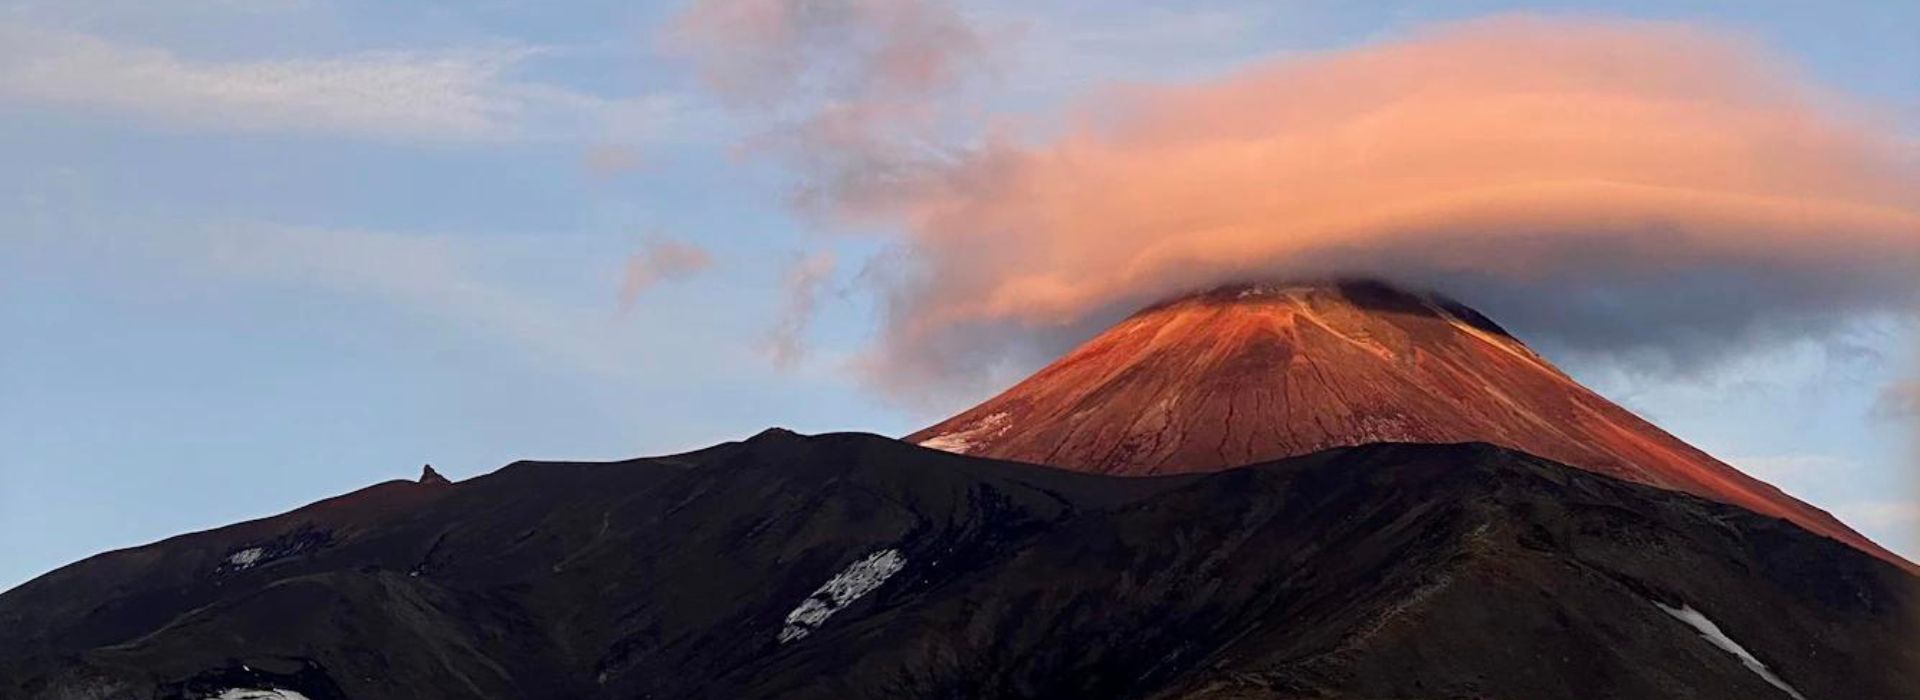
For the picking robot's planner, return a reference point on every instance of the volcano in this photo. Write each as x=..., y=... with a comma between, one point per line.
x=1255, y=372
x=855, y=566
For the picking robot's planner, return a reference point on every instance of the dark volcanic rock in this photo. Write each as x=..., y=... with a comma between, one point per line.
x=1385, y=571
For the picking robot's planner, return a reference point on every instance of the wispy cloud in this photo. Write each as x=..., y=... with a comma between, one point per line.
x=773, y=52
x=804, y=280
x=855, y=97
x=660, y=261
x=445, y=95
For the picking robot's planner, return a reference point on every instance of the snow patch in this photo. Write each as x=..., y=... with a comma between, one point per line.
x=257, y=694
x=956, y=443
x=840, y=591
x=1711, y=632
x=959, y=441
x=262, y=552
x=246, y=558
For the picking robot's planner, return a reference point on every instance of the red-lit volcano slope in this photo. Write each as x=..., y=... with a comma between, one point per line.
x=1248, y=373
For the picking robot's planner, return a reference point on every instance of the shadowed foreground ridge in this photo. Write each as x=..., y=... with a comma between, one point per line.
x=854, y=566
x=1255, y=372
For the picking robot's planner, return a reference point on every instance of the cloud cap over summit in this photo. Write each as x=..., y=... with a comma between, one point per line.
x=1578, y=178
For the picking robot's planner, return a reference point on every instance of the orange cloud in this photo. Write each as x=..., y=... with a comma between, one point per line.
x=1620, y=185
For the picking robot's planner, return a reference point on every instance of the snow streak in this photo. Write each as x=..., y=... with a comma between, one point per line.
x=1711, y=632
x=840, y=591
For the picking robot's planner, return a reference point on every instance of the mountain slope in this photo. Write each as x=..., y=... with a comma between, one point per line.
x=1250, y=373
x=852, y=566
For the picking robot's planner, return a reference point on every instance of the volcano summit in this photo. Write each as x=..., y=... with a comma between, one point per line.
x=1249, y=373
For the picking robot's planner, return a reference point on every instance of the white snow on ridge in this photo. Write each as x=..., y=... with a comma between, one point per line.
x=1711, y=632
x=257, y=694
x=246, y=558
x=959, y=441
x=951, y=442
x=859, y=579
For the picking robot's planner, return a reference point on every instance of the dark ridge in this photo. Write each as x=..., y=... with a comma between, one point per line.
x=775, y=434
x=1376, y=571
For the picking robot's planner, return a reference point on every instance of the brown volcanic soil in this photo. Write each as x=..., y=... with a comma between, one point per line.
x=1251, y=373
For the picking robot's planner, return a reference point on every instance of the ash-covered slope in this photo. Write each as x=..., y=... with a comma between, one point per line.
x=1258, y=372
x=853, y=566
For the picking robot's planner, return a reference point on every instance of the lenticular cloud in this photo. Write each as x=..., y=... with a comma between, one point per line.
x=1577, y=179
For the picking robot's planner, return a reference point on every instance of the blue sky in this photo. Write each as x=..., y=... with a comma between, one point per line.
x=253, y=254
